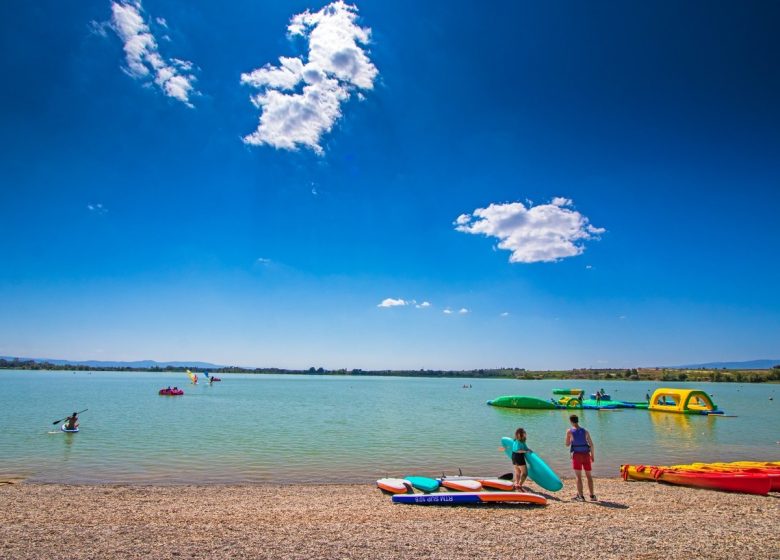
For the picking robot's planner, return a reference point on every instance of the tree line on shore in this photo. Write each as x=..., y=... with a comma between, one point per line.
x=632, y=374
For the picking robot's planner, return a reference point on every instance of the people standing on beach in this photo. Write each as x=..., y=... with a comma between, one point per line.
x=72, y=422
x=519, y=449
x=582, y=456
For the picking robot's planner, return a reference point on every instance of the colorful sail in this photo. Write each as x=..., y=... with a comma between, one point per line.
x=193, y=377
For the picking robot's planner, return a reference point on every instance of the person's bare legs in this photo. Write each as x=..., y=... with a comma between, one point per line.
x=579, y=481
x=590, y=483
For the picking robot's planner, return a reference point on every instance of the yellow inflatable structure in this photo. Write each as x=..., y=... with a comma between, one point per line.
x=682, y=401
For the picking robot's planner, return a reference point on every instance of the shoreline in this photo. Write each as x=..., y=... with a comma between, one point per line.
x=634, y=519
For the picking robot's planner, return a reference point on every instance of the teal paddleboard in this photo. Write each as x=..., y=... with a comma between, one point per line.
x=423, y=483
x=538, y=471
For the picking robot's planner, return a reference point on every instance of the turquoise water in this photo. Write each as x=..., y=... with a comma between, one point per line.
x=289, y=428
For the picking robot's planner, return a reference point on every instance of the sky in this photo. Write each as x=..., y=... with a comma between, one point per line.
x=408, y=185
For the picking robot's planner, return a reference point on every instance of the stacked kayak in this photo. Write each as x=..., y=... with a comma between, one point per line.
x=455, y=490
x=726, y=477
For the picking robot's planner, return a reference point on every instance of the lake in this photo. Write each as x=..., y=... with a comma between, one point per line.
x=299, y=428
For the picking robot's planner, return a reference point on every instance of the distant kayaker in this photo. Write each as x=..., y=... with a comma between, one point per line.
x=582, y=456
x=519, y=449
x=72, y=422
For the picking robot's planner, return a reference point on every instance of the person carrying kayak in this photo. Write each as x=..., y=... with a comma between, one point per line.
x=519, y=449
x=72, y=422
x=582, y=456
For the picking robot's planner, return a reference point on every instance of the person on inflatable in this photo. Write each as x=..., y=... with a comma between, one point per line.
x=72, y=422
x=519, y=449
x=582, y=456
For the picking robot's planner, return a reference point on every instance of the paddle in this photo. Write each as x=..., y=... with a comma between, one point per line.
x=58, y=421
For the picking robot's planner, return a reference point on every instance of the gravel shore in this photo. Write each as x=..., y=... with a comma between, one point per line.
x=638, y=520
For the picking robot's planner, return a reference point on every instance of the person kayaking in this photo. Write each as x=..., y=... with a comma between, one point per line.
x=582, y=456
x=72, y=422
x=519, y=449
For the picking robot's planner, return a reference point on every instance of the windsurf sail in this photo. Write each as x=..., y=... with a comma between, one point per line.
x=206, y=374
x=193, y=377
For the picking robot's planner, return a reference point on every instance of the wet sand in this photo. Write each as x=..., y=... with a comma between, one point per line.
x=638, y=520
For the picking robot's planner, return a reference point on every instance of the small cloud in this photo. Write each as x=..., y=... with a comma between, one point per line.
x=390, y=302
x=447, y=311
x=463, y=311
x=97, y=208
x=161, y=21
x=588, y=267
x=263, y=261
x=99, y=28
x=423, y=305
x=505, y=314
x=144, y=61
x=622, y=317
x=543, y=233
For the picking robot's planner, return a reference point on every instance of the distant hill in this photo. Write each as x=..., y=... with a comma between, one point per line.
x=137, y=364
x=751, y=364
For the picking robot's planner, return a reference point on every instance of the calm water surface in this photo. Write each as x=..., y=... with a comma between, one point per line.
x=289, y=428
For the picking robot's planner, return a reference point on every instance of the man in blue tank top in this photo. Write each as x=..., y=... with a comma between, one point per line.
x=582, y=456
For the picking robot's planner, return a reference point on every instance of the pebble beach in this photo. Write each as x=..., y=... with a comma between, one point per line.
x=638, y=520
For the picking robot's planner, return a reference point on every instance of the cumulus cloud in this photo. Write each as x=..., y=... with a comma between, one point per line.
x=423, y=305
x=463, y=311
x=543, y=233
x=143, y=59
x=391, y=302
x=447, y=311
x=300, y=99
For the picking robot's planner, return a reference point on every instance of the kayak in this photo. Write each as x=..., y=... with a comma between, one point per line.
x=67, y=431
x=745, y=483
x=455, y=498
x=461, y=485
x=538, y=471
x=394, y=485
x=423, y=483
x=490, y=483
x=170, y=392
x=742, y=483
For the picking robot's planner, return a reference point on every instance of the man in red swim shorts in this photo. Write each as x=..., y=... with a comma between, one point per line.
x=582, y=455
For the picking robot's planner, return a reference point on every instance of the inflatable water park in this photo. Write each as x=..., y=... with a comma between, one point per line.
x=681, y=401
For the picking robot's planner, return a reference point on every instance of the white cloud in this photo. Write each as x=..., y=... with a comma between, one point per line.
x=463, y=311
x=161, y=21
x=588, y=267
x=447, y=311
x=142, y=56
x=97, y=208
x=543, y=233
x=390, y=302
x=335, y=67
x=263, y=260
x=423, y=305
x=505, y=314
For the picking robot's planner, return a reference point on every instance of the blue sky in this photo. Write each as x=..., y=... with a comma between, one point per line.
x=414, y=185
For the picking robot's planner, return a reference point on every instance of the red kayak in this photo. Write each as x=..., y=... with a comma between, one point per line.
x=748, y=483
x=170, y=392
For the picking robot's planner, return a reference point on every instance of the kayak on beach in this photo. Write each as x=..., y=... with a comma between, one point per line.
x=455, y=498
x=423, y=483
x=739, y=481
x=394, y=485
